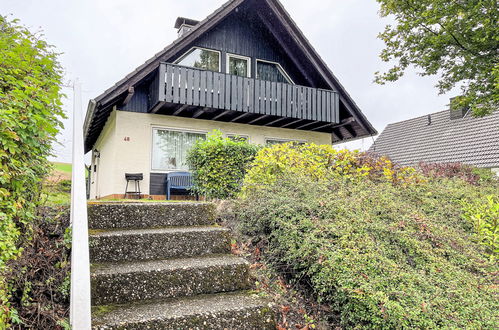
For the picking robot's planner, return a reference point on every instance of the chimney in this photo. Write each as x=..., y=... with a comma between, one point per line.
x=184, y=25
x=457, y=112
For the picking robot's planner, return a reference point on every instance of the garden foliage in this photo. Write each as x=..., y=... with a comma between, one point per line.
x=219, y=165
x=320, y=162
x=383, y=246
x=484, y=216
x=40, y=277
x=30, y=112
x=472, y=175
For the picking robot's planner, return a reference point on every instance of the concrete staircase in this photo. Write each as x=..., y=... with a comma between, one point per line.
x=166, y=266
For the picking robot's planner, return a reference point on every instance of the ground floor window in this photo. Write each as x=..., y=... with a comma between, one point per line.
x=272, y=141
x=169, y=148
x=235, y=137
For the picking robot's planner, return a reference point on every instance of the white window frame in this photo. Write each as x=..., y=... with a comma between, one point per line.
x=247, y=58
x=228, y=135
x=178, y=60
x=175, y=129
x=279, y=67
x=267, y=138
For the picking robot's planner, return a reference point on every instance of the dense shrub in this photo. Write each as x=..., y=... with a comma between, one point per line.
x=30, y=109
x=381, y=251
x=320, y=162
x=467, y=173
x=40, y=277
x=381, y=255
x=219, y=165
x=484, y=215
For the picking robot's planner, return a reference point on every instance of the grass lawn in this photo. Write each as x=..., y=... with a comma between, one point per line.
x=63, y=167
x=57, y=186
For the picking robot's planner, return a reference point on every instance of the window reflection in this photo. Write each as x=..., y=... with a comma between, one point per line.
x=202, y=58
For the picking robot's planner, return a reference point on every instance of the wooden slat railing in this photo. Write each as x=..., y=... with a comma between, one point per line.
x=191, y=86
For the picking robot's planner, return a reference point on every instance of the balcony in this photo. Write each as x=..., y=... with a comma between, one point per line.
x=190, y=92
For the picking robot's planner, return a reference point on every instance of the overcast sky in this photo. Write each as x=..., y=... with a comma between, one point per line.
x=103, y=40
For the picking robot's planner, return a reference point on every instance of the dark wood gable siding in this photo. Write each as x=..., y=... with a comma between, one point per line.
x=241, y=36
x=140, y=100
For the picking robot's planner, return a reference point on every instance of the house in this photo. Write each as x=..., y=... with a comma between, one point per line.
x=450, y=136
x=246, y=70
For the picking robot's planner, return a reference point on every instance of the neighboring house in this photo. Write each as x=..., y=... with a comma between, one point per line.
x=246, y=70
x=450, y=136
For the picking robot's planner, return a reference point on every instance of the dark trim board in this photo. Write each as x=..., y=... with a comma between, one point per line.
x=237, y=117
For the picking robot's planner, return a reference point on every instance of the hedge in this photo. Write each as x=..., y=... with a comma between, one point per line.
x=30, y=113
x=219, y=165
x=381, y=252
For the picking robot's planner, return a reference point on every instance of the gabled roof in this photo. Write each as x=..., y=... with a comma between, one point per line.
x=468, y=140
x=359, y=124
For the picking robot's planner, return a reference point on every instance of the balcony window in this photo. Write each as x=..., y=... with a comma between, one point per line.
x=169, y=148
x=238, y=65
x=271, y=71
x=201, y=58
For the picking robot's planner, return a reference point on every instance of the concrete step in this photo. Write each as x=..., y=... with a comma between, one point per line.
x=218, y=311
x=115, y=283
x=160, y=243
x=108, y=215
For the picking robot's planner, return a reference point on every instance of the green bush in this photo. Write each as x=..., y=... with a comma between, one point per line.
x=64, y=186
x=219, y=165
x=320, y=162
x=40, y=278
x=485, y=219
x=380, y=253
x=472, y=175
x=30, y=112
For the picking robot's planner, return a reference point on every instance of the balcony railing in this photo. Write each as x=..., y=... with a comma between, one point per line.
x=207, y=89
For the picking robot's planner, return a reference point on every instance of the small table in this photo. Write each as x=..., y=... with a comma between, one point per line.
x=136, y=178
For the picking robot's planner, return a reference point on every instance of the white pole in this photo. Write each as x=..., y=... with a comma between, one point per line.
x=80, y=313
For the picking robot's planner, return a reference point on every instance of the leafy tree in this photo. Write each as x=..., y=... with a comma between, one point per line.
x=458, y=40
x=30, y=113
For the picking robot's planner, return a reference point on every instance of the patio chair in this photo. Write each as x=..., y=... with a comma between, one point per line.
x=180, y=181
